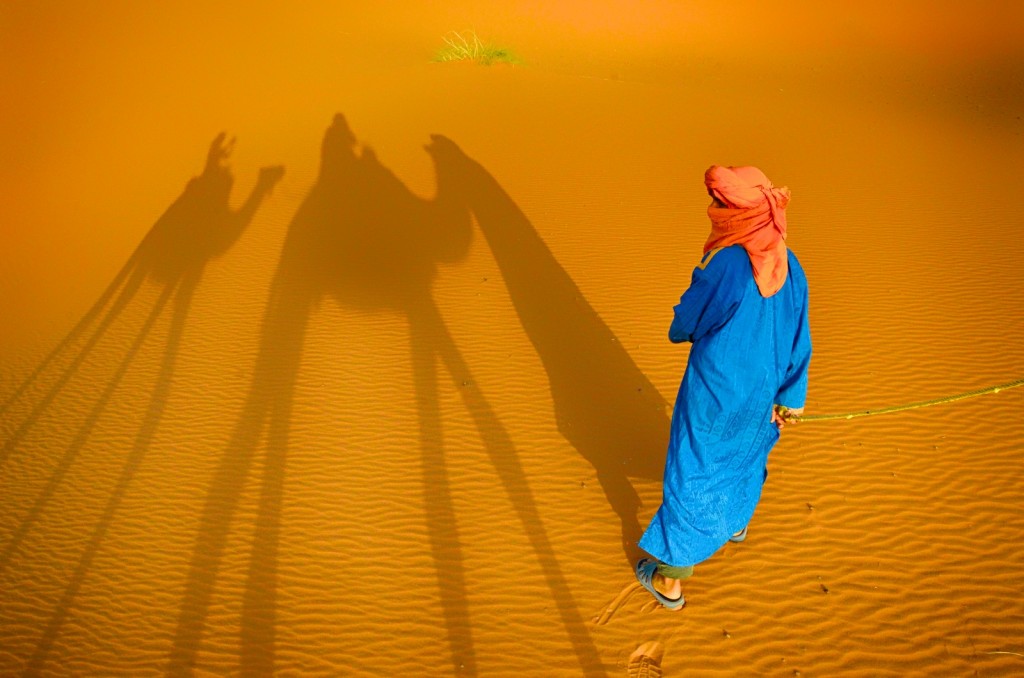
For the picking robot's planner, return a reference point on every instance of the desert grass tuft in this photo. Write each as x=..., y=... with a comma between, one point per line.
x=467, y=46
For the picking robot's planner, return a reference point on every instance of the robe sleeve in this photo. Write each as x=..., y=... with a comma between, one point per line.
x=793, y=391
x=711, y=300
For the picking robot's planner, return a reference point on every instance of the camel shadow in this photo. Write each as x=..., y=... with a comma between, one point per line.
x=361, y=238
x=198, y=227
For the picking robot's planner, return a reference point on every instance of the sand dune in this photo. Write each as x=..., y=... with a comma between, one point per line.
x=402, y=409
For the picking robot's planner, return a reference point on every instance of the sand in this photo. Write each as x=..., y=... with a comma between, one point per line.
x=408, y=415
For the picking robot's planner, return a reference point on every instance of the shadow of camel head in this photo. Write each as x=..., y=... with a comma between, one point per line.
x=200, y=224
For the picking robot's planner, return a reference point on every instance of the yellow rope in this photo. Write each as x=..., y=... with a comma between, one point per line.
x=912, y=406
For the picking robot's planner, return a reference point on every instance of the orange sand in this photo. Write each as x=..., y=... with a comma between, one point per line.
x=434, y=456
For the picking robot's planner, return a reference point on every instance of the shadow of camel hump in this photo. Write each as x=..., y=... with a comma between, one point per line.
x=364, y=238
x=604, y=405
x=196, y=228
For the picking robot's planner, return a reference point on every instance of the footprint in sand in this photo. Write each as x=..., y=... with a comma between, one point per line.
x=611, y=608
x=645, y=662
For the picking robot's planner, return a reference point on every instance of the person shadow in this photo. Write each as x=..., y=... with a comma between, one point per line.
x=604, y=405
x=199, y=226
x=363, y=239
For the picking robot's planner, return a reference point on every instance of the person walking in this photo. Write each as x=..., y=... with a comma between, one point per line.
x=745, y=314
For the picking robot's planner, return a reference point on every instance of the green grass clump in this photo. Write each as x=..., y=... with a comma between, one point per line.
x=469, y=47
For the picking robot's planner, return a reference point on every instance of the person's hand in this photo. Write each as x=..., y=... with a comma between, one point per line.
x=782, y=415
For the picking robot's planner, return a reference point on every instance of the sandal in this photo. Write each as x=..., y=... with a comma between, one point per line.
x=644, y=570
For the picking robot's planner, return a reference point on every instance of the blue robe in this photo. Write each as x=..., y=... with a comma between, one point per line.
x=748, y=353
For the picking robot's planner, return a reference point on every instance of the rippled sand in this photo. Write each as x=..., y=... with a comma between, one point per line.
x=410, y=418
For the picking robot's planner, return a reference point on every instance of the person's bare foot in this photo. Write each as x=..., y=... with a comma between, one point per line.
x=670, y=588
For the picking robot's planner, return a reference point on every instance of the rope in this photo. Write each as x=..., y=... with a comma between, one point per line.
x=913, y=406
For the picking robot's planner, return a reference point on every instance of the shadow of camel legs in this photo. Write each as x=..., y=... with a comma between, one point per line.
x=154, y=413
x=259, y=602
x=80, y=327
x=82, y=436
x=445, y=544
x=426, y=322
x=267, y=409
x=127, y=293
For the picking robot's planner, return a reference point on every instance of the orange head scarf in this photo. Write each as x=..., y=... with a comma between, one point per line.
x=754, y=216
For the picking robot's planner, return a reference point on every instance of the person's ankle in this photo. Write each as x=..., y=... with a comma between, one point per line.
x=670, y=588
